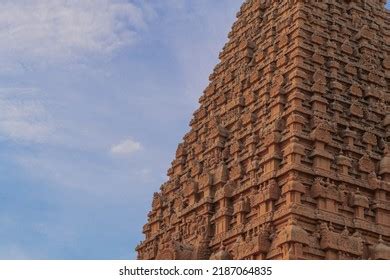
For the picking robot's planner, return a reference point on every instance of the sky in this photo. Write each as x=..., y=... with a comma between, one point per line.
x=95, y=95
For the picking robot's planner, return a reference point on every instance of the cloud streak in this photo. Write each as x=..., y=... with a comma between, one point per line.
x=65, y=30
x=24, y=117
x=91, y=74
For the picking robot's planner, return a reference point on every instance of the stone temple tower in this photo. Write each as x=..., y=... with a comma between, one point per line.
x=288, y=156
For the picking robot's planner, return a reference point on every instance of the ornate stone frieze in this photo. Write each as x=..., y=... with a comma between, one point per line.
x=288, y=155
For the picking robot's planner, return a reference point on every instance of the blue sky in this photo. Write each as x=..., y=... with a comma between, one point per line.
x=94, y=97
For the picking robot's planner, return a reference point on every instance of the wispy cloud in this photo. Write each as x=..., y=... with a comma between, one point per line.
x=63, y=30
x=74, y=120
x=196, y=56
x=126, y=147
x=23, y=116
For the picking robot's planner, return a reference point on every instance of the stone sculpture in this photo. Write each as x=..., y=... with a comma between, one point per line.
x=288, y=156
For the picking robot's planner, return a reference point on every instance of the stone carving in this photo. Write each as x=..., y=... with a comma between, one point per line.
x=288, y=156
x=384, y=166
x=221, y=254
x=333, y=242
x=366, y=164
x=380, y=251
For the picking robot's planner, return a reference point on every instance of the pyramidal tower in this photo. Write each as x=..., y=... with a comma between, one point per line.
x=288, y=156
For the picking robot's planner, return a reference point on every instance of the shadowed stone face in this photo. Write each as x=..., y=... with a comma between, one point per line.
x=288, y=156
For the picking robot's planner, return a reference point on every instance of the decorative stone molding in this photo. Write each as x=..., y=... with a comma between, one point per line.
x=292, y=131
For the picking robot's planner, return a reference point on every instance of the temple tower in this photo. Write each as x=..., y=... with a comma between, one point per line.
x=288, y=156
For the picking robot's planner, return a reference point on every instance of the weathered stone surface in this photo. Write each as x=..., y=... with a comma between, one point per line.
x=288, y=156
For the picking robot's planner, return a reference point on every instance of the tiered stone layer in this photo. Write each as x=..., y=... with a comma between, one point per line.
x=288, y=156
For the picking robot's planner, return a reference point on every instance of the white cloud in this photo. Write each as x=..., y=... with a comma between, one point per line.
x=23, y=116
x=126, y=147
x=63, y=30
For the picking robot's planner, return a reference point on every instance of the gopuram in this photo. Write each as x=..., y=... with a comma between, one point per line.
x=288, y=155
